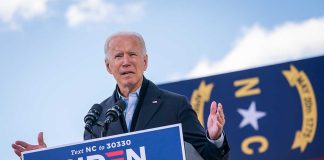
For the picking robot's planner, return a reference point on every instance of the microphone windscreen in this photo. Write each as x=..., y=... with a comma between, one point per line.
x=121, y=104
x=97, y=107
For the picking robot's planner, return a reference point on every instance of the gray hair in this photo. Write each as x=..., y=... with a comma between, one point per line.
x=134, y=34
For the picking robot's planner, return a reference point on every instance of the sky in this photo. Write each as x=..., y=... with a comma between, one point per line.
x=52, y=60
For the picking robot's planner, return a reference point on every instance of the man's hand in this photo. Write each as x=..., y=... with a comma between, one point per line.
x=21, y=146
x=216, y=121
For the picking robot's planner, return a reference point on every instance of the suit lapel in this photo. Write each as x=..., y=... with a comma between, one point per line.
x=151, y=102
x=150, y=106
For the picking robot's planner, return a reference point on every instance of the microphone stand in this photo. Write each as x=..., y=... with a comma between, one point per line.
x=105, y=126
x=90, y=130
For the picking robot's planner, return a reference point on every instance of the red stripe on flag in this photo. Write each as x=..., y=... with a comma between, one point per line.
x=118, y=159
x=115, y=153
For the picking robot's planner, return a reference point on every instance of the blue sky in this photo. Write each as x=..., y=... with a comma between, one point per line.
x=52, y=62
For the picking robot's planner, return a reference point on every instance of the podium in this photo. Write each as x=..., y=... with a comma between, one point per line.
x=152, y=144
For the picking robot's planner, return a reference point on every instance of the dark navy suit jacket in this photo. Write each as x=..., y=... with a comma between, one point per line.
x=157, y=107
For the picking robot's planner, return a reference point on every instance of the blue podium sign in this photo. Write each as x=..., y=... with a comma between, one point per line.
x=152, y=144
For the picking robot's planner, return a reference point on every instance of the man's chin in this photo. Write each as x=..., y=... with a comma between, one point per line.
x=129, y=84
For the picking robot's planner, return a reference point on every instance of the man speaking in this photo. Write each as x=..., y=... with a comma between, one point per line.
x=148, y=106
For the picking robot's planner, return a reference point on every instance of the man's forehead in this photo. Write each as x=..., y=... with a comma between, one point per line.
x=124, y=38
x=122, y=42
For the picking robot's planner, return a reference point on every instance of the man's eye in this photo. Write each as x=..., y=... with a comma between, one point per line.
x=118, y=56
x=133, y=54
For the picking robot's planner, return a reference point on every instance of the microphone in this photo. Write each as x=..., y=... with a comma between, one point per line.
x=92, y=117
x=115, y=111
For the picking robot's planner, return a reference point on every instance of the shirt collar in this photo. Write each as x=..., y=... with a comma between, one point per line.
x=124, y=98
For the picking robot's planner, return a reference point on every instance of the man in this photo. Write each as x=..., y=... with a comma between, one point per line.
x=149, y=106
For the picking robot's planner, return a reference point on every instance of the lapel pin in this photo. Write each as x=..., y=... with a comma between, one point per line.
x=154, y=101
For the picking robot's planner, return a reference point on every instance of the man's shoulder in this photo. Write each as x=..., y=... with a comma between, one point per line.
x=166, y=93
x=107, y=101
x=171, y=94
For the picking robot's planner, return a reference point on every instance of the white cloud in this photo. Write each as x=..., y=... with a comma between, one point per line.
x=259, y=46
x=13, y=11
x=101, y=11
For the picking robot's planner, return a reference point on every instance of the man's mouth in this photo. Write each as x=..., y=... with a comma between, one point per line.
x=127, y=72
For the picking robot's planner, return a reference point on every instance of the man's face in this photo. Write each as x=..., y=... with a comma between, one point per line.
x=126, y=61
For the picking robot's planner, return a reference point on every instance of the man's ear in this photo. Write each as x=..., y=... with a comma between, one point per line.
x=145, y=62
x=107, y=66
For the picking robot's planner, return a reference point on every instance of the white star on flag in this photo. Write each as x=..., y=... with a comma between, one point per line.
x=251, y=116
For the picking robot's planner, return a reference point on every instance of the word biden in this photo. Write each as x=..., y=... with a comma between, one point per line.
x=119, y=154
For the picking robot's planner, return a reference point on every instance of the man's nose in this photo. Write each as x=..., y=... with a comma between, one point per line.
x=126, y=60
